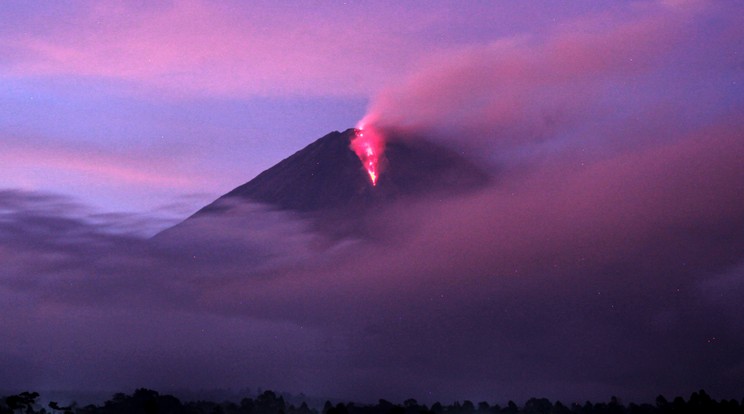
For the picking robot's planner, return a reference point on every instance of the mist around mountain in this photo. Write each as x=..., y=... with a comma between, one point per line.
x=619, y=277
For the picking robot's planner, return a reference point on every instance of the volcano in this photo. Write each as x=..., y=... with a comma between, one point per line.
x=326, y=182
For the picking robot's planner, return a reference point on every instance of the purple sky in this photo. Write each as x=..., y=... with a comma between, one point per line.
x=607, y=256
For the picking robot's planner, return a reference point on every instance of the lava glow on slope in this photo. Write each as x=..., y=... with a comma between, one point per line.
x=369, y=145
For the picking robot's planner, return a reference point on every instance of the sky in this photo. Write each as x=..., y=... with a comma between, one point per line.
x=606, y=257
x=130, y=106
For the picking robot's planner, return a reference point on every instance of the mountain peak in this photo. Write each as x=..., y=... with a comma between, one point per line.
x=324, y=174
x=326, y=179
x=327, y=175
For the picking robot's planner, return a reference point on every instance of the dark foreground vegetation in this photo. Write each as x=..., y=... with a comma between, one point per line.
x=151, y=402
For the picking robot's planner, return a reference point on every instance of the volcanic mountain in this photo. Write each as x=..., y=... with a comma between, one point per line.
x=325, y=181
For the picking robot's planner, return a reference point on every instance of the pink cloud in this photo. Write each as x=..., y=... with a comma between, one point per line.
x=531, y=89
x=92, y=165
x=200, y=48
x=234, y=49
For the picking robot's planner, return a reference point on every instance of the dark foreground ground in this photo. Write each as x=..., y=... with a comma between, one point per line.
x=268, y=402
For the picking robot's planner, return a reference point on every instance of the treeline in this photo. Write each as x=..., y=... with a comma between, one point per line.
x=151, y=402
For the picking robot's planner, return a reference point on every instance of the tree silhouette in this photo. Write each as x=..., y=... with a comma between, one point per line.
x=23, y=402
x=538, y=406
x=511, y=408
x=144, y=401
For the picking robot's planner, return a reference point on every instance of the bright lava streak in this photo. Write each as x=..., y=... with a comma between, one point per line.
x=369, y=146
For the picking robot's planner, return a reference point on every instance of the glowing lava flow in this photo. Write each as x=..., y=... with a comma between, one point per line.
x=369, y=146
